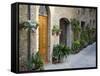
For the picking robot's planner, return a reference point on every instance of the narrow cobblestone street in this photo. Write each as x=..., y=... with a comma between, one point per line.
x=85, y=58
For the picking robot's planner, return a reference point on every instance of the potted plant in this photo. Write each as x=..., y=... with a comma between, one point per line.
x=59, y=52
x=55, y=54
x=65, y=52
x=82, y=43
x=36, y=62
x=30, y=25
x=56, y=30
x=76, y=46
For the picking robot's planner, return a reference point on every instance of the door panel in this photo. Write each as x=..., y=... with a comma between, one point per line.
x=63, y=36
x=43, y=37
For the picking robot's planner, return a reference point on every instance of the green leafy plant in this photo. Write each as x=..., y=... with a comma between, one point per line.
x=88, y=36
x=59, y=52
x=55, y=53
x=82, y=43
x=76, y=28
x=36, y=62
x=66, y=50
x=53, y=30
x=32, y=25
x=56, y=30
x=93, y=35
x=84, y=36
x=75, y=46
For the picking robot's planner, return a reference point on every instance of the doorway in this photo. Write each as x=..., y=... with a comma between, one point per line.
x=43, y=33
x=64, y=22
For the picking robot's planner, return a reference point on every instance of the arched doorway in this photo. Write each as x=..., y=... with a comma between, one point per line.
x=64, y=23
x=43, y=32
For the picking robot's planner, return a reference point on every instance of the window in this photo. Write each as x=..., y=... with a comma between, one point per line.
x=90, y=22
x=83, y=25
x=94, y=22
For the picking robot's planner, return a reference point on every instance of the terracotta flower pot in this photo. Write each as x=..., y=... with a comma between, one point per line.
x=58, y=33
x=54, y=60
x=53, y=33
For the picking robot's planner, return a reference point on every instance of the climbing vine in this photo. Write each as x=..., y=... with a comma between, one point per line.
x=76, y=28
x=82, y=38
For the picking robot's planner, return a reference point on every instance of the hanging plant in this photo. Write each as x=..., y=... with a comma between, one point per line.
x=30, y=24
x=53, y=30
x=56, y=30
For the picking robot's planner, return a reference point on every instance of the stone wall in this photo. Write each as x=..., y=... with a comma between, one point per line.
x=34, y=35
x=23, y=16
x=56, y=14
x=23, y=35
x=88, y=15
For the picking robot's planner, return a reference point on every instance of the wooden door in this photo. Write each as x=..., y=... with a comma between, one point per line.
x=43, y=37
x=63, y=36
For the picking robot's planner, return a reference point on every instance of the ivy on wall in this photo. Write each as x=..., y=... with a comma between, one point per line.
x=76, y=28
x=82, y=37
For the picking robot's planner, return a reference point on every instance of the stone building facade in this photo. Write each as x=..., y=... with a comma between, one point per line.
x=86, y=17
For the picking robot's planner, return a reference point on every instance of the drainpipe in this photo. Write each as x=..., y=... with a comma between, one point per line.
x=29, y=38
x=29, y=44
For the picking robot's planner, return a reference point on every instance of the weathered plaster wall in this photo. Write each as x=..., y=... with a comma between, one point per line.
x=23, y=35
x=23, y=16
x=88, y=15
x=34, y=35
x=56, y=14
x=62, y=12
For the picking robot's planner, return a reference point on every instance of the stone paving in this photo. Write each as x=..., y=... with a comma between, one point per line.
x=85, y=58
